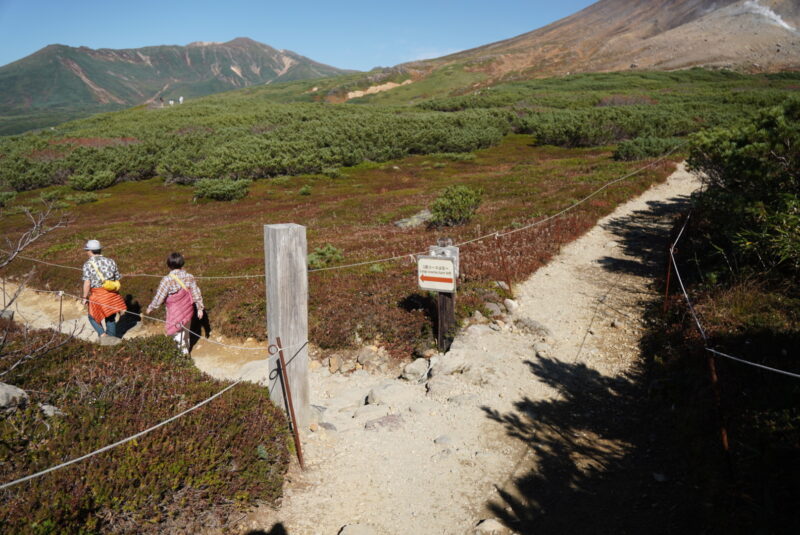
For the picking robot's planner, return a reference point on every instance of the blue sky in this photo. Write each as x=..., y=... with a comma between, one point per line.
x=351, y=34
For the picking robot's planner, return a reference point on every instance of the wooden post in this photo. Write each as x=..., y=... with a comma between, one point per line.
x=285, y=252
x=446, y=315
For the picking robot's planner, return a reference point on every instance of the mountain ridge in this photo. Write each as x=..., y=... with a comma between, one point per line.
x=59, y=77
x=614, y=35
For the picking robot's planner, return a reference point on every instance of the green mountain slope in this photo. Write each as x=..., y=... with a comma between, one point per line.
x=62, y=81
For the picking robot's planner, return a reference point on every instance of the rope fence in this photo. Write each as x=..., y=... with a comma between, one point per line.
x=119, y=442
x=272, y=348
x=700, y=325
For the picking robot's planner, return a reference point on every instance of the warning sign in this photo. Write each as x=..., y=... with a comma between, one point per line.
x=436, y=273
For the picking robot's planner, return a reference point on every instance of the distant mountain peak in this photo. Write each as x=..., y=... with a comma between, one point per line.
x=614, y=35
x=80, y=78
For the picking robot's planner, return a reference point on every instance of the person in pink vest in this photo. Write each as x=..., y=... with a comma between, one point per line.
x=182, y=295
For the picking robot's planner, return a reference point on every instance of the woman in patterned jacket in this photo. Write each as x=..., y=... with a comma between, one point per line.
x=182, y=295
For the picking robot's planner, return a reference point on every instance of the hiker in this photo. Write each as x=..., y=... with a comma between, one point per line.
x=101, y=291
x=182, y=295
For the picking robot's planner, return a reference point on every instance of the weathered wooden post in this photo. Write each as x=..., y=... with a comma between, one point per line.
x=438, y=272
x=285, y=252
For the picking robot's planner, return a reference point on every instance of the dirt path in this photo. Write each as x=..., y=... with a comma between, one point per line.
x=501, y=429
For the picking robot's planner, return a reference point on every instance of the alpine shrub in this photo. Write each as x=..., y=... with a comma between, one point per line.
x=325, y=256
x=94, y=181
x=644, y=147
x=455, y=206
x=221, y=189
x=6, y=197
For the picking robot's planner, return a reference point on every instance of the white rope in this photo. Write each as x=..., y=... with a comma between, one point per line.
x=751, y=363
x=209, y=340
x=118, y=443
x=697, y=320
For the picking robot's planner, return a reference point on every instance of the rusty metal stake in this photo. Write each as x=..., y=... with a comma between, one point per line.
x=669, y=275
x=288, y=391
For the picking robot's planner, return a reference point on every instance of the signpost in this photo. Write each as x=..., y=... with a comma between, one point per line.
x=438, y=272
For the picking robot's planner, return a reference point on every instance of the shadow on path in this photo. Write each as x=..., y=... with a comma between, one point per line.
x=599, y=457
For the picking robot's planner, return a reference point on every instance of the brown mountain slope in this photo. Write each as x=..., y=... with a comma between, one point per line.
x=613, y=35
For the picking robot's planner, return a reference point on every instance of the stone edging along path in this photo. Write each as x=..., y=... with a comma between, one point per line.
x=435, y=455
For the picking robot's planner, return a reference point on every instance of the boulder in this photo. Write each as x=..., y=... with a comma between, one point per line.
x=12, y=397
x=450, y=364
x=477, y=330
x=416, y=371
x=533, y=327
x=416, y=220
x=511, y=305
x=367, y=355
x=50, y=410
x=391, y=422
x=502, y=285
x=392, y=394
x=494, y=309
x=477, y=317
x=109, y=340
x=443, y=387
x=334, y=363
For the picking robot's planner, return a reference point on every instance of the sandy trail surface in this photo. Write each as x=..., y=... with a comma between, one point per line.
x=436, y=456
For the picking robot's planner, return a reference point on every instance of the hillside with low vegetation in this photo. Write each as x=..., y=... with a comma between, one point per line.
x=348, y=173
x=195, y=473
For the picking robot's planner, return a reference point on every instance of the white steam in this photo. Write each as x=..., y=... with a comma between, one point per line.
x=752, y=6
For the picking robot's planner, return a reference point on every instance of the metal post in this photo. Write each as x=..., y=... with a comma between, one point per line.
x=669, y=274
x=60, y=309
x=287, y=312
x=292, y=418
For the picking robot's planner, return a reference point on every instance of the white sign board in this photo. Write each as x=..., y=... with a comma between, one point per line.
x=436, y=273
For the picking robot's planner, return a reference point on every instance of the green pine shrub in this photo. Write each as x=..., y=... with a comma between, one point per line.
x=221, y=189
x=6, y=197
x=644, y=147
x=752, y=197
x=226, y=455
x=93, y=181
x=82, y=198
x=325, y=256
x=455, y=206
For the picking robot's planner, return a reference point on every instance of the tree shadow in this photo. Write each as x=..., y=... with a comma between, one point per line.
x=642, y=237
x=277, y=529
x=128, y=321
x=199, y=327
x=599, y=464
x=600, y=457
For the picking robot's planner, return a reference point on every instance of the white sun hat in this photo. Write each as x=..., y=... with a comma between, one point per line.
x=92, y=245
